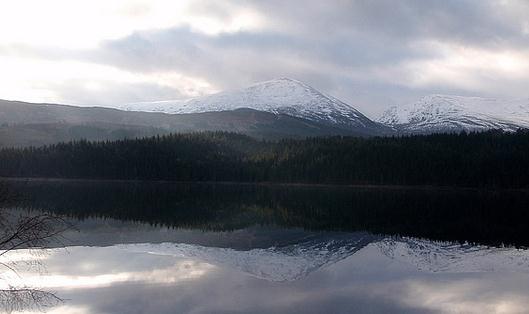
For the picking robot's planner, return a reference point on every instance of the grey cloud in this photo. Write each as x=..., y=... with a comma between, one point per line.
x=111, y=93
x=331, y=45
x=468, y=21
x=232, y=60
x=336, y=46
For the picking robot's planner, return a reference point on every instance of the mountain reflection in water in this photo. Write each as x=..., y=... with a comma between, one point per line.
x=204, y=248
x=316, y=276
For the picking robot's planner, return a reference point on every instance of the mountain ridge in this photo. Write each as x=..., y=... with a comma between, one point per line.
x=451, y=113
x=278, y=96
x=27, y=124
x=274, y=109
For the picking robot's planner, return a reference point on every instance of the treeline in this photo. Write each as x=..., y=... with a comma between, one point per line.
x=488, y=159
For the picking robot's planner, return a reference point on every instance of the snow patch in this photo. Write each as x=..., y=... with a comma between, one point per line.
x=280, y=96
x=443, y=112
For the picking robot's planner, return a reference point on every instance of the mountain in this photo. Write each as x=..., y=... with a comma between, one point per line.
x=28, y=124
x=282, y=108
x=443, y=113
x=281, y=96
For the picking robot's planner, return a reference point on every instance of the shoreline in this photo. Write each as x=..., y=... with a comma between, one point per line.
x=278, y=184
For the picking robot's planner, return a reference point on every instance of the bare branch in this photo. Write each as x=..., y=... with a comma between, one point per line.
x=12, y=300
x=26, y=231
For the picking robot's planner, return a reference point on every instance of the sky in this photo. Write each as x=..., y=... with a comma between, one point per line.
x=370, y=54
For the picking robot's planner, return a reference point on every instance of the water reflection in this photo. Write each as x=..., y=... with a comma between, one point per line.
x=172, y=278
x=490, y=217
x=166, y=248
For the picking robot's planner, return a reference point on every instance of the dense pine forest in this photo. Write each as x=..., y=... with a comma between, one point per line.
x=488, y=159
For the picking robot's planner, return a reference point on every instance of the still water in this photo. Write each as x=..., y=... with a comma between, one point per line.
x=173, y=248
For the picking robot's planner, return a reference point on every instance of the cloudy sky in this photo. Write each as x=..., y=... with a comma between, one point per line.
x=371, y=53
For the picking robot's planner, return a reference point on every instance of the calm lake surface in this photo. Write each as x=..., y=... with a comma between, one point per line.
x=226, y=248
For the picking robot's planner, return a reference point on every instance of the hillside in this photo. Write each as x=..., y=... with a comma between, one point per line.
x=280, y=96
x=443, y=113
x=27, y=124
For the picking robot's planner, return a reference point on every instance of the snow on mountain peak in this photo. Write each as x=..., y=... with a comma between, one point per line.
x=448, y=113
x=278, y=96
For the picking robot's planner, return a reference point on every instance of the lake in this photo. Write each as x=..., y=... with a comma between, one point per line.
x=235, y=248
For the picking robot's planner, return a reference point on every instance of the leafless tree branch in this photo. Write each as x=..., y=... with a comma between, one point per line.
x=23, y=299
x=26, y=231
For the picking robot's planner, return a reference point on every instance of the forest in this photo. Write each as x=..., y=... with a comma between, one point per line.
x=486, y=159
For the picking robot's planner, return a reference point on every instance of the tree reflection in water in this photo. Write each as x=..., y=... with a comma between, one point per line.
x=490, y=217
x=496, y=217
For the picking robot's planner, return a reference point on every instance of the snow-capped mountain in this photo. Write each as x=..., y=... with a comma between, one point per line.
x=280, y=96
x=442, y=113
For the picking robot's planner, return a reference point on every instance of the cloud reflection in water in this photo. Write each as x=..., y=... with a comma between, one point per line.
x=367, y=281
